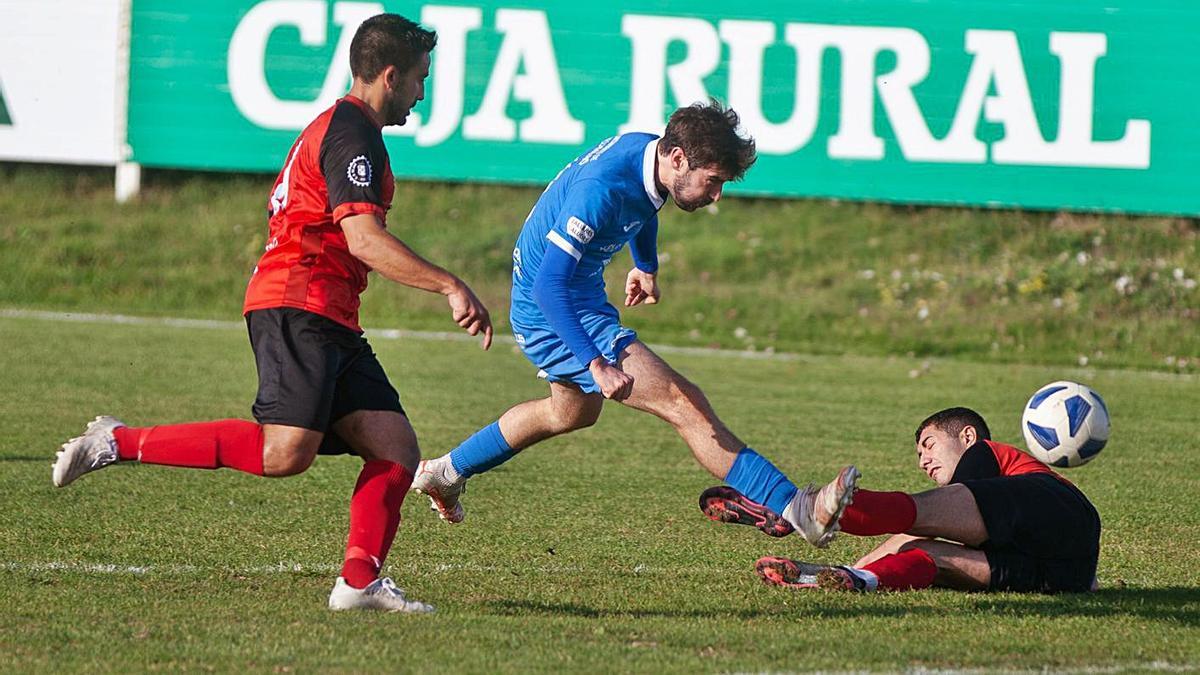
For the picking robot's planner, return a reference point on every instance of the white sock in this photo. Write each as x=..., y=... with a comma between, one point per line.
x=867, y=577
x=791, y=512
x=448, y=470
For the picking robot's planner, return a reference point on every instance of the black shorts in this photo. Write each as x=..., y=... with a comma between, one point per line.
x=312, y=371
x=1043, y=533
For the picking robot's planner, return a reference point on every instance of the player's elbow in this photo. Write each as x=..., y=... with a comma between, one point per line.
x=362, y=246
x=363, y=233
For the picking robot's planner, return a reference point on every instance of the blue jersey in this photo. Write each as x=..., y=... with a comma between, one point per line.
x=602, y=200
x=597, y=203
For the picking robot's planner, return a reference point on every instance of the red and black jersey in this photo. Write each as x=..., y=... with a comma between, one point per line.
x=337, y=167
x=989, y=459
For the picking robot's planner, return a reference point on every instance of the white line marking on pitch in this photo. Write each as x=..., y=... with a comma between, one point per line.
x=175, y=570
x=1160, y=666
x=446, y=336
x=377, y=333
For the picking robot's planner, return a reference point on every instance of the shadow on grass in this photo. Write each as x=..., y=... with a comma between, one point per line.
x=1180, y=604
x=1177, y=604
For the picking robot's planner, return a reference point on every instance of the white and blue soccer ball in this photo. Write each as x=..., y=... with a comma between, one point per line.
x=1065, y=424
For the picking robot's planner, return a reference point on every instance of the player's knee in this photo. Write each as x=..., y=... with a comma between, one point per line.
x=928, y=545
x=587, y=418
x=407, y=455
x=282, y=460
x=574, y=418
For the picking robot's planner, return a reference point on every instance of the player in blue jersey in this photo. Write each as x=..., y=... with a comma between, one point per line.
x=564, y=324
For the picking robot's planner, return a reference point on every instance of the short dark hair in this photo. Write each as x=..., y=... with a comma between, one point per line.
x=708, y=135
x=954, y=420
x=388, y=40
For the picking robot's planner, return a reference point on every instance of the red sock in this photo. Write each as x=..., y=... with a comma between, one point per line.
x=911, y=569
x=374, y=517
x=237, y=444
x=873, y=513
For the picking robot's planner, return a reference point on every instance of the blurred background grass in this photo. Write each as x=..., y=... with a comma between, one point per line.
x=812, y=276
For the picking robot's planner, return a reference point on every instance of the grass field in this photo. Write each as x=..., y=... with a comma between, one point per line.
x=587, y=554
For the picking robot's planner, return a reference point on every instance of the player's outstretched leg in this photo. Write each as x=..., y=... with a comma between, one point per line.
x=910, y=569
x=663, y=392
x=236, y=444
x=816, y=513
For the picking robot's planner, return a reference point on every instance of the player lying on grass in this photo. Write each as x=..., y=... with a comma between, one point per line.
x=564, y=324
x=321, y=389
x=1000, y=520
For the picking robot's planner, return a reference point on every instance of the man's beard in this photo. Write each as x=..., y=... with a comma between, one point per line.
x=678, y=186
x=397, y=112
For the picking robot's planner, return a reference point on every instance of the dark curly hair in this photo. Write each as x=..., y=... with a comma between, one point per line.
x=708, y=135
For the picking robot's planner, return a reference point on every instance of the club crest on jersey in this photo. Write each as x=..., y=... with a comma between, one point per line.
x=580, y=230
x=359, y=171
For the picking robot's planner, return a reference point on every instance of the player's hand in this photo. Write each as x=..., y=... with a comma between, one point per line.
x=614, y=383
x=470, y=313
x=641, y=287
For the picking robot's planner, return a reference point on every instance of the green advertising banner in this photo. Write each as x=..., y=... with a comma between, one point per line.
x=1082, y=104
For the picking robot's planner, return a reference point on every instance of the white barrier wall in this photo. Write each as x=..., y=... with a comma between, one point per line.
x=63, y=69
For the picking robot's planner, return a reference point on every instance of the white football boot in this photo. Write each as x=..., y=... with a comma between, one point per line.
x=815, y=513
x=95, y=449
x=437, y=479
x=381, y=594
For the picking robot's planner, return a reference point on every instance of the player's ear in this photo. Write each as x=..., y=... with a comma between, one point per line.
x=968, y=435
x=390, y=77
x=679, y=161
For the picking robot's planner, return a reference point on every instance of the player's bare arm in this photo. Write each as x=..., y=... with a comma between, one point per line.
x=641, y=288
x=386, y=254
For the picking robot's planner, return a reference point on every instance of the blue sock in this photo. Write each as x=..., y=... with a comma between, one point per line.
x=756, y=477
x=485, y=450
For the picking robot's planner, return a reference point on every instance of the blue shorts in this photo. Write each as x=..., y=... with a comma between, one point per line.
x=544, y=349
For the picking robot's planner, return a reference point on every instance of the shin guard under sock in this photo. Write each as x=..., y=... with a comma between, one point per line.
x=873, y=513
x=236, y=444
x=911, y=569
x=374, y=518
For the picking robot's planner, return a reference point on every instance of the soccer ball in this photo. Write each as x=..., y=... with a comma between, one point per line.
x=1065, y=424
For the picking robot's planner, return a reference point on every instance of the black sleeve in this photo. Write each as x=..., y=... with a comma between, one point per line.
x=977, y=462
x=353, y=162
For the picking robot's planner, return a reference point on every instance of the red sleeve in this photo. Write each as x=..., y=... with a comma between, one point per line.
x=355, y=208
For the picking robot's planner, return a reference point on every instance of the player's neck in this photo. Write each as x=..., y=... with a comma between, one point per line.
x=660, y=181
x=372, y=97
